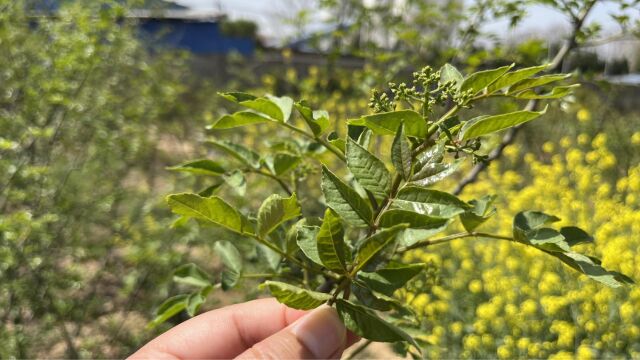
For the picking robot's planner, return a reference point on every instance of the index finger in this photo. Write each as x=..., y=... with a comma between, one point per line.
x=222, y=333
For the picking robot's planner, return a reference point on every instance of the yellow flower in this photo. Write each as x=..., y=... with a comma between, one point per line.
x=583, y=115
x=585, y=352
x=504, y=352
x=548, y=147
x=475, y=286
x=472, y=342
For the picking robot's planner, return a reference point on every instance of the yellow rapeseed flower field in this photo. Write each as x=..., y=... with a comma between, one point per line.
x=500, y=299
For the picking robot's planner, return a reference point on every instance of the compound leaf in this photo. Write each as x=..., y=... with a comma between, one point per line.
x=274, y=211
x=372, y=246
x=317, y=120
x=368, y=325
x=477, y=81
x=393, y=217
x=401, y=154
x=369, y=171
x=245, y=155
x=388, y=122
x=240, y=118
x=211, y=210
x=390, y=279
x=232, y=261
x=200, y=167
x=515, y=76
x=430, y=202
x=448, y=73
x=168, y=309
x=296, y=297
x=332, y=250
x=345, y=200
x=484, y=125
x=191, y=274
x=306, y=240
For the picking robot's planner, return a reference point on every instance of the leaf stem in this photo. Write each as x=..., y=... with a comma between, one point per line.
x=341, y=286
x=428, y=242
x=432, y=130
x=320, y=140
x=284, y=254
x=281, y=182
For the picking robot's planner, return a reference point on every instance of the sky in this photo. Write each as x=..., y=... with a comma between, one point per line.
x=270, y=15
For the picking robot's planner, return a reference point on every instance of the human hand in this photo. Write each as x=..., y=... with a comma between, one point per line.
x=259, y=329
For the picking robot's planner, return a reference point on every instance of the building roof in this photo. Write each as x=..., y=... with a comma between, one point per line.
x=177, y=14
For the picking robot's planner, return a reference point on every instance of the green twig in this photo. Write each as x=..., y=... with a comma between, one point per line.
x=281, y=182
x=428, y=242
x=318, y=139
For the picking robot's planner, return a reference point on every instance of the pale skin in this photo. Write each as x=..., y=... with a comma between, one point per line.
x=259, y=329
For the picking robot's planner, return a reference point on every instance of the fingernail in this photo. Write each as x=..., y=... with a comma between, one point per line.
x=321, y=331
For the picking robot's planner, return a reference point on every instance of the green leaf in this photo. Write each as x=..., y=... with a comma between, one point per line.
x=200, y=167
x=369, y=171
x=401, y=154
x=535, y=82
x=364, y=139
x=431, y=173
x=476, y=82
x=274, y=211
x=245, y=155
x=281, y=163
x=587, y=266
x=337, y=141
x=268, y=256
x=368, y=325
x=390, y=279
x=435, y=154
x=374, y=244
x=526, y=221
x=548, y=239
x=448, y=73
x=236, y=181
x=295, y=297
x=412, y=236
x=232, y=261
x=212, y=209
x=528, y=228
x=482, y=210
x=306, y=240
x=284, y=103
x=574, y=235
x=387, y=123
x=430, y=202
x=209, y=191
x=513, y=77
x=371, y=300
x=394, y=217
x=240, y=118
x=345, y=200
x=332, y=250
x=169, y=309
x=556, y=93
x=318, y=120
x=191, y=274
x=196, y=299
x=263, y=105
x=483, y=125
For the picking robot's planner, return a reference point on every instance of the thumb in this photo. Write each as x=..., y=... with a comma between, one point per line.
x=318, y=335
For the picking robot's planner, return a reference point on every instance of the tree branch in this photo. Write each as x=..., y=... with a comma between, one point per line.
x=510, y=135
